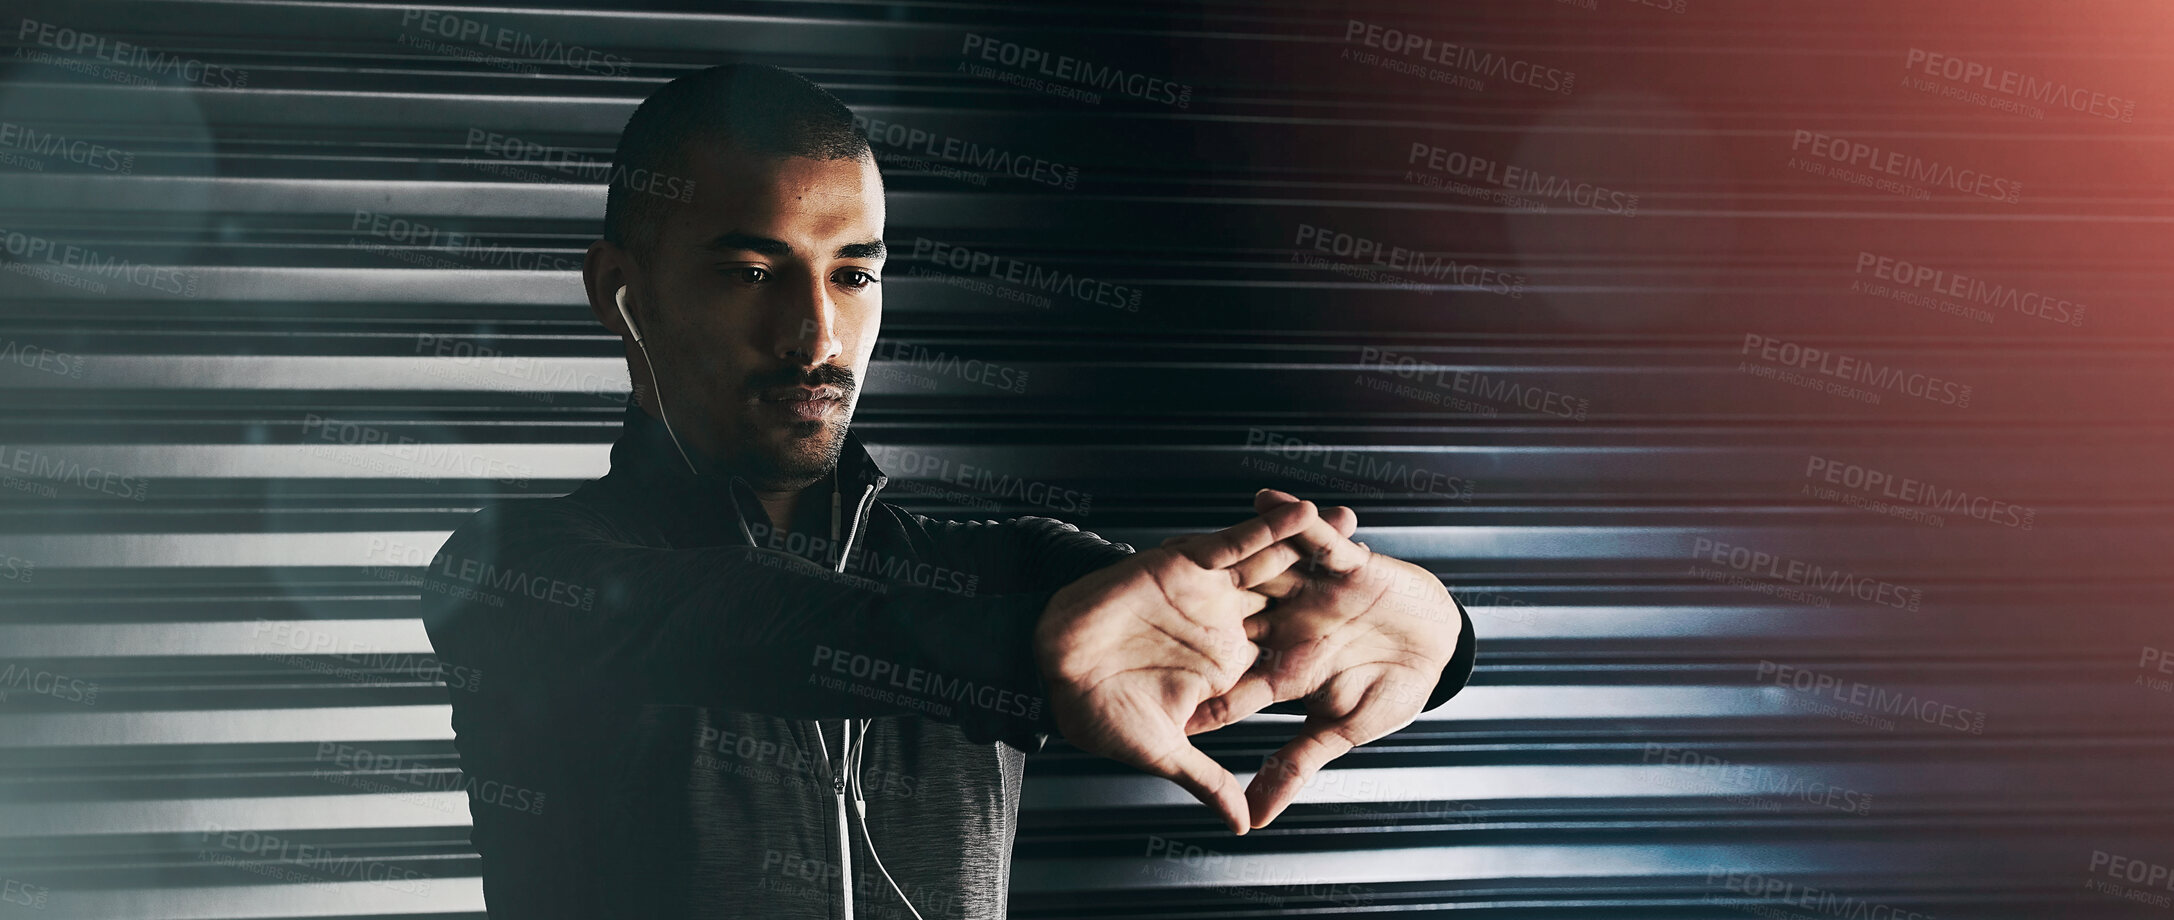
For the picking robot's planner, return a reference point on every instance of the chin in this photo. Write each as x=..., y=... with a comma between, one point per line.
x=803, y=452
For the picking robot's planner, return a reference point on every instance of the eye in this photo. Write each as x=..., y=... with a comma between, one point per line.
x=855, y=278
x=747, y=274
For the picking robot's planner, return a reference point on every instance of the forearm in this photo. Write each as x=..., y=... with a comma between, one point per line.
x=731, y=628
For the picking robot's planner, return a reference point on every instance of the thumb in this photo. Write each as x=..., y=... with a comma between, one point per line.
x=1214, y=786
x=1285, y=773
x=1252, y=693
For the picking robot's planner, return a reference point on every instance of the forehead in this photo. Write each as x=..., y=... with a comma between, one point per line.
x=808, y=203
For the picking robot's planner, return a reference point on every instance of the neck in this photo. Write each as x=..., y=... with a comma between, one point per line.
x=779, y=506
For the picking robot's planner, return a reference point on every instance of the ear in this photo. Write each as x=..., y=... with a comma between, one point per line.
x=605, y=270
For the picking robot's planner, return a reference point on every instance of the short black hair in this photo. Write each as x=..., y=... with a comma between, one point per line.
x=757, y=108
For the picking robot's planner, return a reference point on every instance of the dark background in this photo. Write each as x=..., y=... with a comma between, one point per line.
x=245, y=409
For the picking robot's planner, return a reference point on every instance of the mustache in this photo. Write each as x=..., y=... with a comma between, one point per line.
x=820, y=375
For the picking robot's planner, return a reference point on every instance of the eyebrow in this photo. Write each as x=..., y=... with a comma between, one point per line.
x=736, y=241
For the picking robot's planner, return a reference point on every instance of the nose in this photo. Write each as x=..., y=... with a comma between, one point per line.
x=807, y=333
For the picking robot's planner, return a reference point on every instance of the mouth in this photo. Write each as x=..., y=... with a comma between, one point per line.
x=803, y=403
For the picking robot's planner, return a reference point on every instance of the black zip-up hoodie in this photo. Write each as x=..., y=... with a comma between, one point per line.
x=655, y=707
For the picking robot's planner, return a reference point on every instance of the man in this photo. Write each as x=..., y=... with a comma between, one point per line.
x=737, y=681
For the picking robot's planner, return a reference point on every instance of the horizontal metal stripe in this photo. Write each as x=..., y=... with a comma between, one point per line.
x=199, y=638
x=335, y=443
x=1503, y=622
x=1604, y=862
x=1672, y=776
x=416, y=897
x=1474, y=704
x=1684, y=776
x=225, y=726
x=99, y=551
x=332, y=447
x=274, y=814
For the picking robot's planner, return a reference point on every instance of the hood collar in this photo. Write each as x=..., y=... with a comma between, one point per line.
x=646, y=469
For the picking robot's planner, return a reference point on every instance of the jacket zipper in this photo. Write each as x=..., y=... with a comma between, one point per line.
x=837, y=774
x=845, y=737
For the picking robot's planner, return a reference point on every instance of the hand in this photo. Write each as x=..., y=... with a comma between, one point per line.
x=1129, y=652
x=1360, y=636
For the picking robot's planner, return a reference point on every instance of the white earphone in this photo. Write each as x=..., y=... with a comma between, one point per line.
x=620, y=297
x=851, y=755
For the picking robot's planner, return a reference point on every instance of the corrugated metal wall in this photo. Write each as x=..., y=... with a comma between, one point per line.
x=1781, y=385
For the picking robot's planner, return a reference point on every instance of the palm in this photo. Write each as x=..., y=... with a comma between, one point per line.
x=1362, y=638
x=1138, y=686
x=1364, y=651
x=1131, y=651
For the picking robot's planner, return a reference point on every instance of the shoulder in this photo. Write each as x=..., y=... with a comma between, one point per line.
x=587, y=514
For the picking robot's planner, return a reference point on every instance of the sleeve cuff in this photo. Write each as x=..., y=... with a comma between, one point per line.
x=1028, y=727
x=1458, y=672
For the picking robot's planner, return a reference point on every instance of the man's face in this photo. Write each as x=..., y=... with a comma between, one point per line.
x=759, y=307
